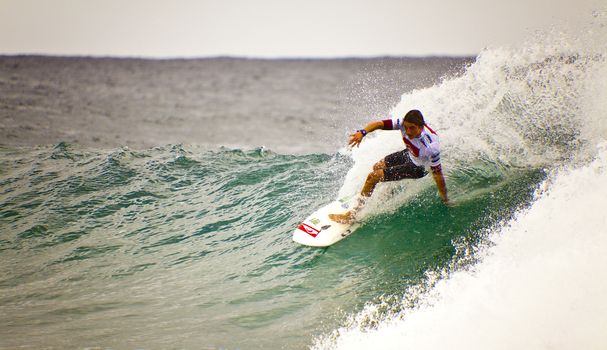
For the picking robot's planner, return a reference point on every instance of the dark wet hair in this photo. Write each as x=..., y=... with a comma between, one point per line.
x=415, y=117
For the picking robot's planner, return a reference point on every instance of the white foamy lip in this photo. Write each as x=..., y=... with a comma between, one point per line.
x=541, y=286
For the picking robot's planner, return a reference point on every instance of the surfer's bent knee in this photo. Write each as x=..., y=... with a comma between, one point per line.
x=379, y=165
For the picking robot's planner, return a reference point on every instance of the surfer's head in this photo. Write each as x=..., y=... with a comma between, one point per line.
x=415, y=117
x=413, y=123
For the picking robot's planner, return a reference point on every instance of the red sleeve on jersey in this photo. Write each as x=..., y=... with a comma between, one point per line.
x=387, y=124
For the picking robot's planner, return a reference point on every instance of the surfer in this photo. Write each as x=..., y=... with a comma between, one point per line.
x=422, y=151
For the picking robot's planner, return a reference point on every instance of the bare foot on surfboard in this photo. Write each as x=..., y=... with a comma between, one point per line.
x=346, y=218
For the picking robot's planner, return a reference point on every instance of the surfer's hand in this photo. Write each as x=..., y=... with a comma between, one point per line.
x=446, y=201
x=355, y=139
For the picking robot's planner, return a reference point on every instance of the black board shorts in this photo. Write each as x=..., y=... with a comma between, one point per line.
x=400, y=166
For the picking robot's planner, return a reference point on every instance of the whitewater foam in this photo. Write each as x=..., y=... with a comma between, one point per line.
x=541, y=283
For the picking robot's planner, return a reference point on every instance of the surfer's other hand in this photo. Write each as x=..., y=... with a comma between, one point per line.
x=355, y=139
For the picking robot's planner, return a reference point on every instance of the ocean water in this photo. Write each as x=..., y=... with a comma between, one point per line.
x=288, y=106
x=180, y=237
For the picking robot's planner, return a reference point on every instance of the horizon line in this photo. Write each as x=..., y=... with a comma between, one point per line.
x=235, y=57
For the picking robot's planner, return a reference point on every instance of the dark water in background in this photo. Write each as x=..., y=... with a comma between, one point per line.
x=285, y=105
x=182, y=239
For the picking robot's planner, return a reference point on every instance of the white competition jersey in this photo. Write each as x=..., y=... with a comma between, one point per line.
x=424, y=150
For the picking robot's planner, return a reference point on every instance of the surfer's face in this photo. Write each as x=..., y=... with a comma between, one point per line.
x=412, y=130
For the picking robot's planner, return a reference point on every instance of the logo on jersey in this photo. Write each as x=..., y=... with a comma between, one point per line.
x=309, y=230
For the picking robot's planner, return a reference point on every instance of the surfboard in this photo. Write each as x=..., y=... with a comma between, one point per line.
x=317, y=230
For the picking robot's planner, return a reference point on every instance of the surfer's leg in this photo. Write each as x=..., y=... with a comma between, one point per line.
x=377, y=175
x=374, y=177
x=388, y=169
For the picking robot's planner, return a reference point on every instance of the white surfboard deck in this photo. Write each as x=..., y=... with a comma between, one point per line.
x=317, y=230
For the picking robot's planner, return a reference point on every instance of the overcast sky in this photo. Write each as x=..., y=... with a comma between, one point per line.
x=276, y=28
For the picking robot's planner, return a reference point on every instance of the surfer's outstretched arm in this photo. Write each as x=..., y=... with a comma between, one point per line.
x=357, y=137
x=437, y=173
